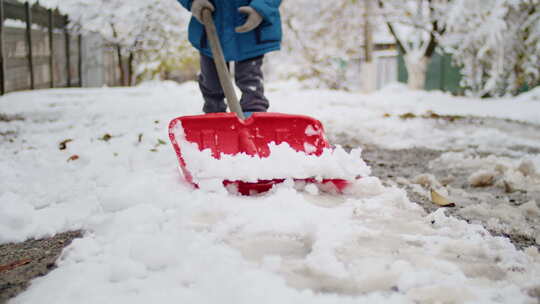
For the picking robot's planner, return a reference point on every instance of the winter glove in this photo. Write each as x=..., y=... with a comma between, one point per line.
x=254, y=19
x=198, y=6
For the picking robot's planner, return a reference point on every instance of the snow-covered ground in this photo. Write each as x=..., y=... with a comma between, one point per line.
x=151, y=237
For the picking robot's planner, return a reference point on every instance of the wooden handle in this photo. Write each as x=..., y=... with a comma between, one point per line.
x=221, y=65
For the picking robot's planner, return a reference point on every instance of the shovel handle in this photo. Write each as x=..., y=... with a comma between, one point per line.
x=221, y=66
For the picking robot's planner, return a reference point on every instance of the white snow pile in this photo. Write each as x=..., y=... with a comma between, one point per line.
x=150, y=237
x=282, y=163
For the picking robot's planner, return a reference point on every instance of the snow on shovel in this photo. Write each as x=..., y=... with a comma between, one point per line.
x=229, y=134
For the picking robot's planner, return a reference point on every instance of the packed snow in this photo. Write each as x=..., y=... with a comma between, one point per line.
x=151, y=237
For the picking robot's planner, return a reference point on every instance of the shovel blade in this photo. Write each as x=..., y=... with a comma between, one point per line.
x=225, y=133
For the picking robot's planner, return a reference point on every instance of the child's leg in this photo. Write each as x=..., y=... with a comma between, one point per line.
x=249, y=79
x=210, y=87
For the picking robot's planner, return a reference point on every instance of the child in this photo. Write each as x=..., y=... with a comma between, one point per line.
x=247, y=30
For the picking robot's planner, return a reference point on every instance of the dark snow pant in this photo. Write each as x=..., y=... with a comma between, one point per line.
x=248, y=77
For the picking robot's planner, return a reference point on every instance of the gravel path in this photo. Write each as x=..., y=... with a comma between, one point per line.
x=395, y=166
x=502, y=208
x=22, y=262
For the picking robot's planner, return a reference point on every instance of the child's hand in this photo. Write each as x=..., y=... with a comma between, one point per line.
x=253, y=20
x=198, y=6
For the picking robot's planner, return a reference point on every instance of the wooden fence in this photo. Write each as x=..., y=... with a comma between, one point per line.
x=36, y=48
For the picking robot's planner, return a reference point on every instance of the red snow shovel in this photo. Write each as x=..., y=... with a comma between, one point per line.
x=231, y=133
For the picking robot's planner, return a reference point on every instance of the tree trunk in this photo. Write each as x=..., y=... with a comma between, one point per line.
x=369, y=69
x=131, y=61
x=368, y=32
x=416, y=68
x=121, y=65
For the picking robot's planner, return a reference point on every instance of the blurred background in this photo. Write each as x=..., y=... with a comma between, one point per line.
x=486, y=48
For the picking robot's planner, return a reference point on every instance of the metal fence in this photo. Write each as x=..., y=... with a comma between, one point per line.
x=37, y=51
x=387, y=67
x=441, y=74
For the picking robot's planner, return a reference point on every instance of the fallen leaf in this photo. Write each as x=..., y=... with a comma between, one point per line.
x=13, y=265
x=408, y=115
x=440, y=200
x=73, y=157
x=106, y=137
x=63, y=144
x=140, y=137
x=7, y=133
x=161, y=142
x=386, y=115
x=429, y=115
x=8, y=118
x=433, y=115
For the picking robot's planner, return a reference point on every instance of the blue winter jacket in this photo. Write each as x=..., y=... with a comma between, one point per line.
x=237, y=47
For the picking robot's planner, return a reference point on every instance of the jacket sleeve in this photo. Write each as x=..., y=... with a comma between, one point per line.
x=186, y=4
x=268, y=9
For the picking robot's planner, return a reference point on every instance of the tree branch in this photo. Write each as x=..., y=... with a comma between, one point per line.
x=401, y=48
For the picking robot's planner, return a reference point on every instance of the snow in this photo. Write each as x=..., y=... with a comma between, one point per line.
x=509, y=174
x=151, y=237
x=283, y=162
x=375, y=118
x=482, y=178
x=14, y=23
x=496, y=42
